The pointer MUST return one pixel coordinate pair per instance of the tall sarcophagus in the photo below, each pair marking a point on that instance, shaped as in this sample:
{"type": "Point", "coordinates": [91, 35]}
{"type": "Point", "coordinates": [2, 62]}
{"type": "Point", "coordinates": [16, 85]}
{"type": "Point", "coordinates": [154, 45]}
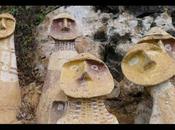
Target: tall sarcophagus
{"type": "Point", "coordinates": [10, 96]}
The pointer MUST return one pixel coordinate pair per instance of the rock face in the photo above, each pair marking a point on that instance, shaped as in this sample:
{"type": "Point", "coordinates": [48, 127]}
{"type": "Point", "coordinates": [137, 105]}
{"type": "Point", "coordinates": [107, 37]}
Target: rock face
{"type": "Point", "coordinates": [112, 30]}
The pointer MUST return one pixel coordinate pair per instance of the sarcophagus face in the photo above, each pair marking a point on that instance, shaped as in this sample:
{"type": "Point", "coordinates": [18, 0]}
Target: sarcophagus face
{"type": "Point", "coordinates": [147, 64]}
{"type": "Point", "coordinates": [7, 25]}
{"type": "Point", "coordinates": [86, 76]}
{"type": "Point", "coordinates": [64, 27]}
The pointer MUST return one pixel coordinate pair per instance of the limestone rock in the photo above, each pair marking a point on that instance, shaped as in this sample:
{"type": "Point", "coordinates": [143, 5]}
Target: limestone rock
{"type": "Point", "coordinates": [87, 45]}
{"type": "Point", "coordinates": [165, 21]}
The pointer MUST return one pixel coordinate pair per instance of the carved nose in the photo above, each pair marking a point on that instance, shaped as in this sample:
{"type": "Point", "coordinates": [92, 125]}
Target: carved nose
{"type": "Point", "coordinates": [149, 63]}
{"type": "Point", "coordinates": [86, 76]}
{"type": "Point", "coordinates": [2, 24]}
{"type": "Point", "coordinates": [65, 26]}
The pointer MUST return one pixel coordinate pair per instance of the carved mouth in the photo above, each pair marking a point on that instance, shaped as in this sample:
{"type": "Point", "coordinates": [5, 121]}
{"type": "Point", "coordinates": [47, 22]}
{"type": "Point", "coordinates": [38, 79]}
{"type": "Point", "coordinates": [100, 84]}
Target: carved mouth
{"type": "Point", "coordinates": [66, 30]}
{"type": "Point", "coordinates": [65, 45]}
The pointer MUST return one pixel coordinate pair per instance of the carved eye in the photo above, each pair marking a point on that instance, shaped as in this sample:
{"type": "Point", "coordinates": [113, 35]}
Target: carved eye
{"type": "Point", "coordinates": [75, 68]}
{"type": "Point", "coordinates": [5, 68]}
{"type": "Point", "coordinates": [94, 67]}
{"type": "Point", "coordinates": [168, 47]}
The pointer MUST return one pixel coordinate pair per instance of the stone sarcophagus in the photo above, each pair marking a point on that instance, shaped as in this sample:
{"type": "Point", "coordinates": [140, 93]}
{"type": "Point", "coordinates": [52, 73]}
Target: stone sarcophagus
{"type": "Point", "coordinates": [10, 96]}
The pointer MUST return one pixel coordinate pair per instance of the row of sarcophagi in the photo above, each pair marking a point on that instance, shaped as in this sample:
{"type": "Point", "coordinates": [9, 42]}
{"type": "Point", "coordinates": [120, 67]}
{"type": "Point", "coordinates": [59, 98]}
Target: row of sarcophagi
{"type": "Point", "coordinates": [77, 82]}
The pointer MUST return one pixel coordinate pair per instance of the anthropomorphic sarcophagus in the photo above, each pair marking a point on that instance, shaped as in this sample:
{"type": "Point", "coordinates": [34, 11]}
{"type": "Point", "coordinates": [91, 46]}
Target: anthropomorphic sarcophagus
{"type": "Point", "coordinates": [85, 80]}
{"type": "Point", "coordinates": [10, 96]}
{"type": "Point", "coordinates": [159, 37]}
{"type": "Point", "coordinates": [151, 66]}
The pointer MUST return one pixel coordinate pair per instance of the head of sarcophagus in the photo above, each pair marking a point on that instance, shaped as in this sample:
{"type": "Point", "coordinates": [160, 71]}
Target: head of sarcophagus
{"type": "Point", "coordinates": [157, 35]}
{"type": "Point", "coordinates": [64, 27]}
{"type": "Point", "coordinates": [86, 76]}
{"type": "Point", "coordinates": [7, 25]}
{"type": "Point", "coordinates": [147, 64]}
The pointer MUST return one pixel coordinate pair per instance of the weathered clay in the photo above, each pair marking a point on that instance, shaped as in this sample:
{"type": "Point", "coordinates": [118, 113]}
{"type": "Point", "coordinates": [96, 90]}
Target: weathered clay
{"type": "Point", "coordinates": [10, 96]}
